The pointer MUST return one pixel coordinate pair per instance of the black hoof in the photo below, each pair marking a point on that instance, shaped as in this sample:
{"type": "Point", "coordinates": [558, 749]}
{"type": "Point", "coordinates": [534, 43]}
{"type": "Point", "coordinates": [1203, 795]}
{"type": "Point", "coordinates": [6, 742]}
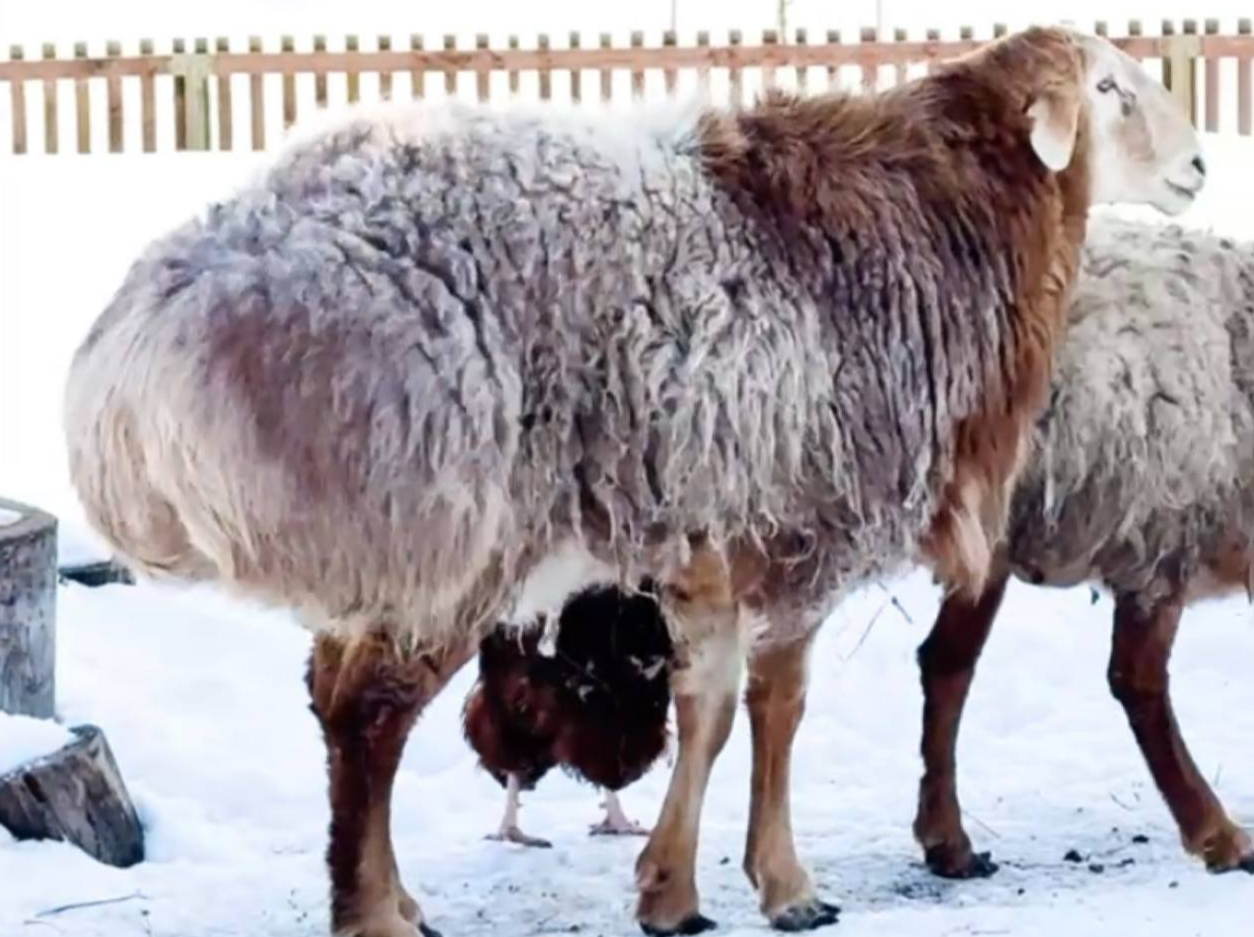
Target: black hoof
{"type": "Point", "coordinates": [428, 931]}
{"type": "Point", "coordinates": [810, 916]}
{"type": "Point", "coordinates": [1245, 865]}
{"type": "Point", "coordinates": [980, 865]}
{"type": "Point", "coordinates": [697, 924]}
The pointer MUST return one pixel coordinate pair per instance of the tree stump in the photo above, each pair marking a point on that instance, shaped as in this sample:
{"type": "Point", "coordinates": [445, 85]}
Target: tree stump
{"type": "Point", "coordinates": [28, 596]}
{"type": "Point", "coordinates": [76, 795]}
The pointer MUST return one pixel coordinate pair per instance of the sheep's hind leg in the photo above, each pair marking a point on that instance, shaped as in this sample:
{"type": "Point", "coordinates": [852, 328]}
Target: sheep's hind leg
{"type": "Point", "coordinates": [1138, 678]}
{"type": "Point", "coordinates": [367, 697]}
{"type": "Point", "coordinates": [947, 662]}
{"type": "Point", "coordinates": [775, 698]}
{"type": "Point", "coordinates": [709, 654]}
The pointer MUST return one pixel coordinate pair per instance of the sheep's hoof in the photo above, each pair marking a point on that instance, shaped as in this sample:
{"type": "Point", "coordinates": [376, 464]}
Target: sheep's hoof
{"type": "Point", "coordinates": [697, 924]}
{"type": "Point", "coordinates": [941, 861]}
{"type": "Point", "coordinates": [428, 931]}
{"type": "Point", "coordinates": [809, 916]}
{"type": "Point", "coordinates": [1244, 864]}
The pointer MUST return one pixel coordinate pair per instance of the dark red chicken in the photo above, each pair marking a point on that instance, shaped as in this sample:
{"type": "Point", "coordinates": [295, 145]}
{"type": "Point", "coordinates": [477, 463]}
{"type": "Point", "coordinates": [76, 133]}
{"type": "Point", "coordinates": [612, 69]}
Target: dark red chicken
{"type": "Point", "coordinates": [596, 705]}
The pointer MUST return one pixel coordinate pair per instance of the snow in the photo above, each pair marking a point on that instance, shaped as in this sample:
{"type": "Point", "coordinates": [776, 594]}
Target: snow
{"type": "Point", "coordinates": [202, 700]}
{"type": "Point", "coordinates": [24, 739]}
{"type": "Point", "coordinates": [8, 518]}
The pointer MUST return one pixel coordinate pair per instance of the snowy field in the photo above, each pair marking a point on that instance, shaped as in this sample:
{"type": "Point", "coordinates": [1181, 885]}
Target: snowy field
{"type": "Point", "coordinates": [203, 703]}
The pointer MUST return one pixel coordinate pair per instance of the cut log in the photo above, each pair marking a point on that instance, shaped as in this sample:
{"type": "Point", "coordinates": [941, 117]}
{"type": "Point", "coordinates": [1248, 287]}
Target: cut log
{"type": "Point", "coordinates": [75, 795]}
{"type": "Point", "coordinates": [28, 596]}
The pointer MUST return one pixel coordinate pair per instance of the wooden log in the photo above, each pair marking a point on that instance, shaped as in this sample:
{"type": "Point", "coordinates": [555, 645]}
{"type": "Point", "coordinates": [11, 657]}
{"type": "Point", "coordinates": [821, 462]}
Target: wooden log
{"type": "Point", "coordinates": [75, 795]}
{"type": "Point", "coordinates": [28, 596]}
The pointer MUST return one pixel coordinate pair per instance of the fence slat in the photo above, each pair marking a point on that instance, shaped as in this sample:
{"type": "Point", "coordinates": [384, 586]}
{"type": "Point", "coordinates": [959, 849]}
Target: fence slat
{"type": "Point", "coordinates": [385, 77]}
{"type": "Point", "coordinates": [637, 74]}
{"type": "Point", "coordinates": [82, 104]}
{"type": "Point", "coordinates": [833, 70]}
{"type": "Point", "coordinates": [148, 103]}
{"type": "Point", "coordinates": [735, 88]}
{"type": "Point", "coordinates": [801, 73]}
{"type": "Point", "coordinates": [513, 72]}
{"type": "Point", "coordinates": [545, 72]}
{"type": "Point", "coordinates": [257, 100]}
{"type": "Point", "coordinates": [50, 104]}
{"type": "Point", "coordinates": [198, 101]}
{"type": "Point", "coordinates": [352, 75]}
{"type": "Point", "coordinates": [576, 74]}
{"type": "Point", "coordinates": [180, 100]}
{"type": "Point", "coordinates": [900, 75]}
{"type": "Point", "coordinates": [226, 134]}
{"type": "Point", "coordinates": [1212, 82]}
{"type": "Point", "coordinates": [288, 44]}
{"type": "Point", "coordinates": [417, 76]}
{"type": "Point", "coordinates": [1135, 30]}
{"type": "Point", "coordinates": [17, 97]}
{"type": "Point", "coordinates": [113, 95]}
{"type": "Point", "coordinates": [770, 37]}
{"type": "Point", "coordinates": [605, 77]}
{"type": "Point", "coordinates": [1245, 106]}
{"type": "Point", "coordinates": [450, 72]}
{"type": "Point", "coordinates": [320, 76]}
{"type": "Point", "coordinates": [670, 76]}
{"type": "Point", "coordinates": [483, 87]}
{"type": "Point", "coordinates": [870, 72]}
{"type": "Point", "coordinates": [934, 37]}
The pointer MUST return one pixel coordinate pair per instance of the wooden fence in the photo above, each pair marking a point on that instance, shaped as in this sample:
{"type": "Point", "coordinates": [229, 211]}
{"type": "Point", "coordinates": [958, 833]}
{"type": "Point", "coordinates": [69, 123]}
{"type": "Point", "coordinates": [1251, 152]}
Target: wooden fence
{"type": "Point", "coordinates": [211, 96]}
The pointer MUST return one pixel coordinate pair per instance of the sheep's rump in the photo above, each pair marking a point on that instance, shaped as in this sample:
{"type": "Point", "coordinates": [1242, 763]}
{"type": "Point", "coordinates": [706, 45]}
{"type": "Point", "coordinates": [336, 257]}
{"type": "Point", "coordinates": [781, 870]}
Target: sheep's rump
{"type": "Point", "coordinates": [1145, 456]}
{"type": "Point", "coordinates": [381, 381]}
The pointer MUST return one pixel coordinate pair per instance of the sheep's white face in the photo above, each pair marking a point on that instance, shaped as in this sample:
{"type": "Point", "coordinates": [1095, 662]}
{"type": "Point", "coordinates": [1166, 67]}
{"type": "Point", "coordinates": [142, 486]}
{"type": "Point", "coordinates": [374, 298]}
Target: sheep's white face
{"type": "Point", "coordinates": [1144, 150]}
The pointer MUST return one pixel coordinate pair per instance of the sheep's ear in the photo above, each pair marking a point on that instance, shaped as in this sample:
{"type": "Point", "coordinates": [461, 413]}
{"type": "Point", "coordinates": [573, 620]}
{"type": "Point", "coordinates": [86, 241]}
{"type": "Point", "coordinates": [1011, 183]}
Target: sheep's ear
{"type": "Point", "coordinates": [1055, 119]}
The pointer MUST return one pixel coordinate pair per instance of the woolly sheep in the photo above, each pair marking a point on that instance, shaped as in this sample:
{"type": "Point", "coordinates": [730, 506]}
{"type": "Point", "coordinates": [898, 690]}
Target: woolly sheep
{"type": "Point", "coordinates": [443, 366]}
{"type": "Point", "coordinates": [1143, 481]}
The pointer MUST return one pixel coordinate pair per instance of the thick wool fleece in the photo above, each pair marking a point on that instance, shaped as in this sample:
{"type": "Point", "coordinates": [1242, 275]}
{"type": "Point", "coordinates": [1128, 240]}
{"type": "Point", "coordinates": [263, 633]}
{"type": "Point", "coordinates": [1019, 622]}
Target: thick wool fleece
{"type": "Point", "coordinates": [1144, 464]}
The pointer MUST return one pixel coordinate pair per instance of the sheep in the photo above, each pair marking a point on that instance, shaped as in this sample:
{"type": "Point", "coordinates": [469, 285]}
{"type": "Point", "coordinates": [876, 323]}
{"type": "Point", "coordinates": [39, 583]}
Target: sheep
{"type": "Point", "coordinates": [446, 365]}
{"type": "Point", "coordinates": [1142, 482]}
{"type": "Point", "coordinates": [592, 696]}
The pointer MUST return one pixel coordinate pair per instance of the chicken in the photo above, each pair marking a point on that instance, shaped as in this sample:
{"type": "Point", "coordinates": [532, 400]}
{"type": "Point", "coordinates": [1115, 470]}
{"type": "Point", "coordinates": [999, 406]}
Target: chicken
{"type": "Point", "coordinates": [596, 705]}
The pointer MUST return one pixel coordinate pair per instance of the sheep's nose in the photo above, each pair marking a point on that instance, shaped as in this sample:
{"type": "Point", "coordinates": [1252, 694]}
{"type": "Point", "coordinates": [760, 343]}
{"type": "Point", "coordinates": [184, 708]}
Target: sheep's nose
{"type": "Point", "coordinates": [1200, 165]}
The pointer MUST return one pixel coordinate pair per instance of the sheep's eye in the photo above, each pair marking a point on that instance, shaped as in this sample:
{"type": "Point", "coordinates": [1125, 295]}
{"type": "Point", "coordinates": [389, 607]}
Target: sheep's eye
{"type": "Point", "coordinates": [1106, 85]}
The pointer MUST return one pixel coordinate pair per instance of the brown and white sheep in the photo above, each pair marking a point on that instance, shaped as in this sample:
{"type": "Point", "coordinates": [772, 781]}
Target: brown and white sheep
{"type": "Point", "coordinates": [1142, 481]}
{"type": "Point", "coordinates": [442, 366]}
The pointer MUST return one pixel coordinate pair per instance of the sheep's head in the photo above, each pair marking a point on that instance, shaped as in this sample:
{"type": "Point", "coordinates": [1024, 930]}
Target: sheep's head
{"type": "Point", "coordinates": [1144, 147]}
{"type": "Point", "coordinates": [1141, 147]}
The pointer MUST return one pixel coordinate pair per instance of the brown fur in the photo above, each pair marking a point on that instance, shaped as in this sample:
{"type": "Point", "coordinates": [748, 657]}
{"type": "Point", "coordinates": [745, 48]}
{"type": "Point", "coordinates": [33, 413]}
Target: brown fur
{"type": "Point", "coordinates": [775, 158]}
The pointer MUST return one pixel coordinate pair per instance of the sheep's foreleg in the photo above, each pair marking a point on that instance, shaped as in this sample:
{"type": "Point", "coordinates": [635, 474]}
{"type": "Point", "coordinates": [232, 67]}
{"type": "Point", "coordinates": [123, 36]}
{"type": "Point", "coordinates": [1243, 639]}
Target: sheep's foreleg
{"type": "Point", "coordinates": [709, 655]}
{"type": "Point", "coordinates": [616, 822]}
{"type": "Point", "coordinates": [775, 697]}
{"type": "Point", "coordinates": [367, 696]}
{"type": "Point", "coordinates": [1138, 677]}
{"type": "Point", "coordinates": [510, 831]}
{"type": "Point", "coordinates": [947, 662]}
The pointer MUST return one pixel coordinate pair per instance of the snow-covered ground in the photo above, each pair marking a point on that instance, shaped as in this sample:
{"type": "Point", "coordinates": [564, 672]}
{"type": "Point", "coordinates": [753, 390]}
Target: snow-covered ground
{"type": "Point", "coordinates": [203, 703]}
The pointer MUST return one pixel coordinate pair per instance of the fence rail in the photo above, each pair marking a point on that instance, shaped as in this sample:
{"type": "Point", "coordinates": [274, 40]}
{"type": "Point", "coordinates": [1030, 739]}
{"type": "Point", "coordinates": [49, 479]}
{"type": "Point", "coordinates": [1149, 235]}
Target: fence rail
{"type": "Point", "coordinates": [214, 97]}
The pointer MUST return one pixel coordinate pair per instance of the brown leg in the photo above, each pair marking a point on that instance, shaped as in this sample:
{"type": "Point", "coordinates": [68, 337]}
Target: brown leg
{"type": "Point", "coordinates": [776, 701]}
{"type": "Point", "coordinates": [709, 656]}
{"type": "Point", "coordinates": [947, 662]}
{"type": "Point", "coordinates": [1138, 679]}
{"type": "Point", "coordinates": [366, 697]}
